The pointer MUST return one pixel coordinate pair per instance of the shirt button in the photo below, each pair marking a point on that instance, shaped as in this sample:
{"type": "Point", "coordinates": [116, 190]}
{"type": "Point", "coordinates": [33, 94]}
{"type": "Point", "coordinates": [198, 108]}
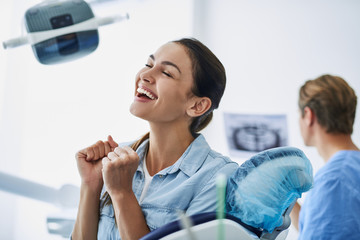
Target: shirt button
{"type": "Point", "coordinates": [160, 176]}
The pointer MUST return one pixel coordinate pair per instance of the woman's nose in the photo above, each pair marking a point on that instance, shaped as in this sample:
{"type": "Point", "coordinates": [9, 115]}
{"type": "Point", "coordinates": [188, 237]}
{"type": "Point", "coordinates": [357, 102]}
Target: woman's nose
{"type": "Point", "coordinates": [147, 76]}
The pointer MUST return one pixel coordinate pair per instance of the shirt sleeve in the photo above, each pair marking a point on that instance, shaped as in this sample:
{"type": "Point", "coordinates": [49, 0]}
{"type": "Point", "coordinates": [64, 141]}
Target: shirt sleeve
{"type": "Point", "coordinates": [329, 212]}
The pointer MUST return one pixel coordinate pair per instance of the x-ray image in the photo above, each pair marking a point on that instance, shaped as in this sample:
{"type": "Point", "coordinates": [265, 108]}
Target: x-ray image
{"type": "Point", "coordinates": [248, 134]}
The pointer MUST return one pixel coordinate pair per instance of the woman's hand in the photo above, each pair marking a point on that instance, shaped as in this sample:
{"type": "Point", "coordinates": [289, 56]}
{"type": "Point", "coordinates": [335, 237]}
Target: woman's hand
{"type": "Point", "coordinates": [89, 164]}
{"type": "Point", "coordinates": [118, 170]}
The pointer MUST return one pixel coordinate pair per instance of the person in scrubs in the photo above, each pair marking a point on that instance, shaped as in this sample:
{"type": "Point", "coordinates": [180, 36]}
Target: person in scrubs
{"type": "Point", "coordinates": [327, 113]}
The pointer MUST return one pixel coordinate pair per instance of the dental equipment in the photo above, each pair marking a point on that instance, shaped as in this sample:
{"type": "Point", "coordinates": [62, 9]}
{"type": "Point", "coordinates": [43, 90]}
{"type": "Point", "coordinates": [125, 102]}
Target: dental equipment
{"type": "Point", "coordinates": [186, 224]}
{"type": "Point", "coordinates": [221, 190]}
{"type": "Point", "coordinates": [62, 30]}
{"type": "Point", "coordinates": [266, 185]}
{"type": "Point", "coordinates": [66, 198]}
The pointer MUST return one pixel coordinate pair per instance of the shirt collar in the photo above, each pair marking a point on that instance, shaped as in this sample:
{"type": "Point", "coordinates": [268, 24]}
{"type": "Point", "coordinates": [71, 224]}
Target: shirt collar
{"type": "Point", "coordinates": [191, 160]}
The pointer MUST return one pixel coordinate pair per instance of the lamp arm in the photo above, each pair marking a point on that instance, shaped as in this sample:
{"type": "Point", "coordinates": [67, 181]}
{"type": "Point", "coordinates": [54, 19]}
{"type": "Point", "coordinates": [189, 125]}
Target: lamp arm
{"type": "Point", "coordinates": [67, 196]}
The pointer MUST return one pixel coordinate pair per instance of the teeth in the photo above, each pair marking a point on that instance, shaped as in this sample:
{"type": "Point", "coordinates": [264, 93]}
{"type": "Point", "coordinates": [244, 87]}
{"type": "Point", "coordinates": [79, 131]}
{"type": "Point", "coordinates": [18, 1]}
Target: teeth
{"type": "Point", "coordinates": [148, 94]}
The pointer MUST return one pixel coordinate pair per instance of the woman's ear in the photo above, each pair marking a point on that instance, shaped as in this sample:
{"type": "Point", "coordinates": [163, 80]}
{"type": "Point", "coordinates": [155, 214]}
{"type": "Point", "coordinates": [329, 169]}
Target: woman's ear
{"type": "Point", "coordinates": [199, 106]}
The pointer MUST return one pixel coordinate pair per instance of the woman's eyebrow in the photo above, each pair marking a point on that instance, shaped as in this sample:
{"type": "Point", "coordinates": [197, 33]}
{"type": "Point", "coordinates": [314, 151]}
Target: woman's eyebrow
{"type": "Point", "coordinates": [166, 63]}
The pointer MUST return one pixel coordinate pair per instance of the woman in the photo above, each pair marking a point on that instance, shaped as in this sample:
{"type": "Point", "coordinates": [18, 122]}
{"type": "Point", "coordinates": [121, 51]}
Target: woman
{"type": "Point", "coordinates": [136, 189]}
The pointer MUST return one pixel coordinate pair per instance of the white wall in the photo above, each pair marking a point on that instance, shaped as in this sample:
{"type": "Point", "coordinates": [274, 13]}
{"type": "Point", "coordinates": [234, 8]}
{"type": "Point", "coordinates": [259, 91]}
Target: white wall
{"type": "Point", "coordinates": [269, 48]}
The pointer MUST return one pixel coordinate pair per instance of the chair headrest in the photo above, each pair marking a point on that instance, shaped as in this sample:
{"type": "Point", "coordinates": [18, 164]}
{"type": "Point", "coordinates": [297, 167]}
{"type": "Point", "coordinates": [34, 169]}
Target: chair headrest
{"type": "Point", "coordinates": [264, 186]}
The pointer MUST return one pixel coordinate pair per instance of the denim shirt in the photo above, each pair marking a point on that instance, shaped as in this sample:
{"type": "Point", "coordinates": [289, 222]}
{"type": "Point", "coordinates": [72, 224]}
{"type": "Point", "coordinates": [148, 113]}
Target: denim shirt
{"type": "Point", "coordinates": [189, 185]}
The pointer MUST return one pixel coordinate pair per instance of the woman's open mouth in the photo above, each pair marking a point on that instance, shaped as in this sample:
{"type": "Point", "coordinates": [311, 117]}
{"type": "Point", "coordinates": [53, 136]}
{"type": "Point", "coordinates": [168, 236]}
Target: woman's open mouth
{"type": "Point", "coordinates": [142, 92]}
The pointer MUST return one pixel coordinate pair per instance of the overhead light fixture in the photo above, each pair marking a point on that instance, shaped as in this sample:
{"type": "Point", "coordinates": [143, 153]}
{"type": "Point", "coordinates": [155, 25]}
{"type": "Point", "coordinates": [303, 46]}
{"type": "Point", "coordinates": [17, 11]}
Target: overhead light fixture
{"type": "Point", "coordinates": [62, 30]}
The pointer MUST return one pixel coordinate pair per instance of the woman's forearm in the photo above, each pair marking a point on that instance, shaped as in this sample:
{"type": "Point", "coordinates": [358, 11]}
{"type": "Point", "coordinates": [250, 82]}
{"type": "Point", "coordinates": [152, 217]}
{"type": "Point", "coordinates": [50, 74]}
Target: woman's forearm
{"type": "Point", "coordinates": [129, 217]}
{"type": "Point", "coordinates": [87, 220]}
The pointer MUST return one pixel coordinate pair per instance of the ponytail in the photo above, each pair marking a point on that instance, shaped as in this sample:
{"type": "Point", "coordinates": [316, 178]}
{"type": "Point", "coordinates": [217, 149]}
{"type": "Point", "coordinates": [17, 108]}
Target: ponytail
{"type": "Point", "coordinates": [201, 122]}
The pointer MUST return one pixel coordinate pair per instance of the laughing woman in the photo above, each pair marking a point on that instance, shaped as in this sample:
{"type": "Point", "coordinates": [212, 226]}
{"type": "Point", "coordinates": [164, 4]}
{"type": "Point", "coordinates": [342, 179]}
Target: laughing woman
{"type": "Point", "coordinates": [128, 191]}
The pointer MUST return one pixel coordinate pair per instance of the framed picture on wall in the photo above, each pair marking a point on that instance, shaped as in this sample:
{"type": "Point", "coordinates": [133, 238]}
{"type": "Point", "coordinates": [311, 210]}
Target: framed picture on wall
{"type": "Point", "coordinates": [248, 134]}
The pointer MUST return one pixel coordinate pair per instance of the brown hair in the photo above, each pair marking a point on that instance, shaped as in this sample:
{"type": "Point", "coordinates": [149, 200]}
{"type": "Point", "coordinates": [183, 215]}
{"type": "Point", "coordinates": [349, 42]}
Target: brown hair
{"type": "Point", "coordinates": [209, 78]}
{"type": "Point", "coordinates": [333, 102]}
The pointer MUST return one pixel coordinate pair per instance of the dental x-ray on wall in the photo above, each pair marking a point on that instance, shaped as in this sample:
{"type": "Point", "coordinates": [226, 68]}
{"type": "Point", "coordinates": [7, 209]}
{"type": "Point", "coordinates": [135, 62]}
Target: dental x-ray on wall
{"type": "Point", "coordinates": [248, 134]}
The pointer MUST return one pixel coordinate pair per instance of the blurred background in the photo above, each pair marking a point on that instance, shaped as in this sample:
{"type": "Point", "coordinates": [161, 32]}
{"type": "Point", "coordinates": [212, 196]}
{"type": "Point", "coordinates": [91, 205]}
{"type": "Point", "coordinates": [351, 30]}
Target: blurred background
{"type": "Point", "coordinates": [49, 112]}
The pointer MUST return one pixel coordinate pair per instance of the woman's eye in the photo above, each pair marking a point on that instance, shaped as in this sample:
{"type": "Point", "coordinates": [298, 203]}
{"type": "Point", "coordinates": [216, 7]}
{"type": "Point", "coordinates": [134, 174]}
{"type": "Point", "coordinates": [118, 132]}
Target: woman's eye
{"type": "Point", "coordinates": [167, 74]}
{"type": "Point", "coordinates": [164, 72]}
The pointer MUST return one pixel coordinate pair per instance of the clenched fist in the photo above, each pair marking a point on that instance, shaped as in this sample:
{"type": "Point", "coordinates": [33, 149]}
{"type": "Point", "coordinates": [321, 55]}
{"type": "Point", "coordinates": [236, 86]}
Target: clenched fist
{"type": "Point", "coordinates": [118, 170]}
{"type": "Point", "coordinates": [89, 164]}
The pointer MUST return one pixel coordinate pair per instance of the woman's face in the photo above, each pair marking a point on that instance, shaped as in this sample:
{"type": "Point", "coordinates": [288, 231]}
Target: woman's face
{"type": "Point", "coordinates": [163, 86]}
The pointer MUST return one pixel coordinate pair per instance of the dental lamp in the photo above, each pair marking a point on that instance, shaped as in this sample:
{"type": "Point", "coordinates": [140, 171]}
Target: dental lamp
{"type": "Point", "coordinates": [61, 30]}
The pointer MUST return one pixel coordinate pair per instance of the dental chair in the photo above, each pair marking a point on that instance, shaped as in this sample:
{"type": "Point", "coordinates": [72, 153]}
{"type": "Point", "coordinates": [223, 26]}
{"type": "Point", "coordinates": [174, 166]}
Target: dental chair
{"type": "Point", "coordinates": [259, 198]}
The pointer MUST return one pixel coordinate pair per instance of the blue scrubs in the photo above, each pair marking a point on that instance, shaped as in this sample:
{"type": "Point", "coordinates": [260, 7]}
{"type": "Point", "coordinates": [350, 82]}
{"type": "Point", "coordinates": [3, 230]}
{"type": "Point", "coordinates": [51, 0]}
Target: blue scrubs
{"type": "Point", "coordinates": [331, 209]}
